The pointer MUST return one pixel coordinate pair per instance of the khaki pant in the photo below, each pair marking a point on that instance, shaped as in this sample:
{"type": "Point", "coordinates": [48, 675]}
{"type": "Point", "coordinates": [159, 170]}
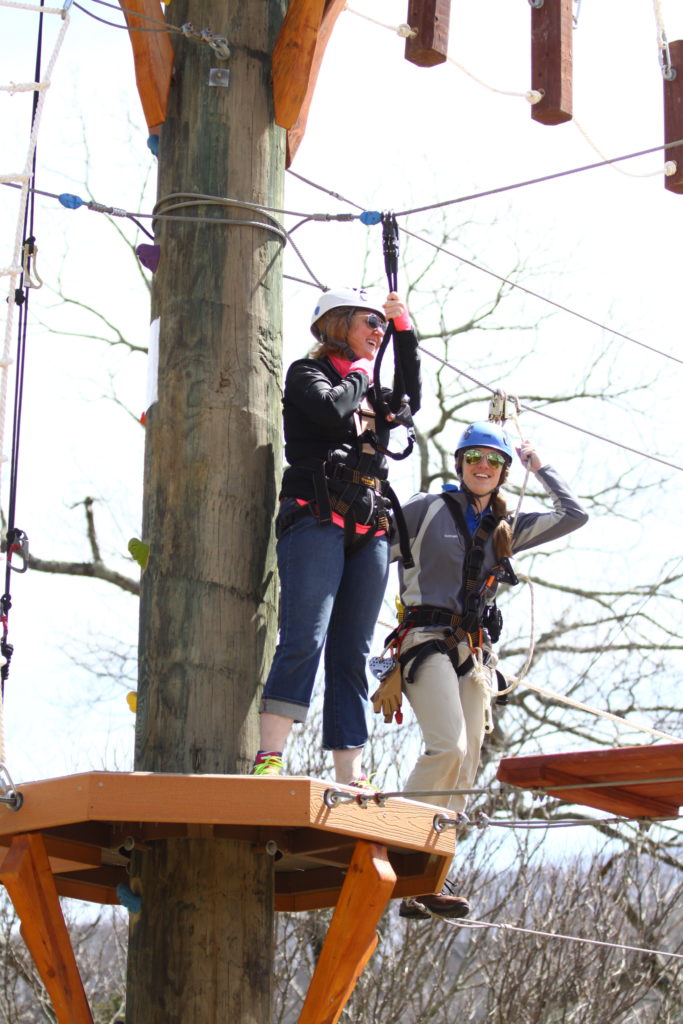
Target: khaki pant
{"type": "Point", "coordinates": [450, 713]}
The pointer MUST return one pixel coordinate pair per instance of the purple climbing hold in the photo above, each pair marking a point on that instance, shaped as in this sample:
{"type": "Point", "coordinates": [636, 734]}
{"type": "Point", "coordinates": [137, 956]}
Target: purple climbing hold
{"type": "Point", "coordinates": [149, 256]}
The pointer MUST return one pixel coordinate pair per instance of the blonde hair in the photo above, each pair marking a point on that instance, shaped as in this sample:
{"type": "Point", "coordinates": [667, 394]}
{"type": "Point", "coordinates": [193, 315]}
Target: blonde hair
{"type": "Point", "coordinates": [333, 325]}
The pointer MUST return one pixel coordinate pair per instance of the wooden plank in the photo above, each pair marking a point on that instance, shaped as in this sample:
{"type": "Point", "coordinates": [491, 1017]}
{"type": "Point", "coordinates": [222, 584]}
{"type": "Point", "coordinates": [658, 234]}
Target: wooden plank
{"type": "Point", "coordinates": [431, 19]}
{"type": "Point", "coordinates": [673, 117]}
{"type": "Point", "coordinates": [25, 872]}
{"type": "Point", "coordinates": [351, 937]}
{"type": "Point", "coordinates": [296, 62]}
{"type": "Point", "coordinates": [153, 57]}
{"type": "Point", "coordinates": [645, 767]}
{"type": "Point", "coordinates": [220, 800]}
{"type": "Point", "coordinates": [551, 61]}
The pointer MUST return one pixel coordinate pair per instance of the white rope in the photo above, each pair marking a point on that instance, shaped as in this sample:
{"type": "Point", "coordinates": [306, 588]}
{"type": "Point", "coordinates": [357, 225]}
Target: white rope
{"type": "Point", "coordinates": [19, 258]}
{"type": "Point", "coordinates": [668, 168]}
{"type": "Point", "coordinates": [402, 30]}
{"type": "Point", "coordinates": [504, 926]}
{"type": "Point", "coordinates": [24, 87]}
{"type": "Point", "coordinates": [636, 726]}
{"type": "Point", "coordinates": [530, 95]}
{"type": "Point", "coordinates": [17, 261]}
{"type": "Point", "coordinates": [32, 7]}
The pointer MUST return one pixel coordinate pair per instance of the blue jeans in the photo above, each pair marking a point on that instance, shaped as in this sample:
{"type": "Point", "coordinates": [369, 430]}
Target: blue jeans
{"type": "Point", "coordinates": [326, 600]}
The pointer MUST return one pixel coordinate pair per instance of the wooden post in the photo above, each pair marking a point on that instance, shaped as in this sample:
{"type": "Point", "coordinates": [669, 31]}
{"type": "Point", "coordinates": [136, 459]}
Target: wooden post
{"type": "Point", "coordinates": [25, 873]}
{"type": "Point", "coordinates": [430, 18]}
{"type": "Point", "coordinates": [208, 600]}
{"type": "Point", "coordinates": [551, 60]}
{"type": "Point", "coordinates": [673, 117]}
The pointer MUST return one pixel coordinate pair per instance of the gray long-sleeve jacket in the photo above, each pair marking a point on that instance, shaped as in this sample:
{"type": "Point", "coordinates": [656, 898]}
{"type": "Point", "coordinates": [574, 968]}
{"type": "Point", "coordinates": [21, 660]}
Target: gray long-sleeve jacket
{"type": "Point", "coordinates": [439, 549]}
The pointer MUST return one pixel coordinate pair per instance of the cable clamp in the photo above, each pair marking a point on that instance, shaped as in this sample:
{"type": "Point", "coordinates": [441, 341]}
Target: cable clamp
{"type": "Point", "coordinates": [442, 822]}
{"type": "Point", "coordinates": [668, 70]}
{"type": "Point", "coordinates": [9, 794]}
{"type": "Point", "coordinates": [219, 44]}
{"type": "Point", "coordinates": [334, 797]}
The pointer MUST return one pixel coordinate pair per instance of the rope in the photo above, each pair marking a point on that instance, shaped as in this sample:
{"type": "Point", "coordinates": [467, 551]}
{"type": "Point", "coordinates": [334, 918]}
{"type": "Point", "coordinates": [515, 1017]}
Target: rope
{"type": "Point", "coordinates": [579, 706]}
{"type": "Point", "coordinates": [555, 419]}
{"type": "Point", "coordinates": [538, 181]}
{"type": "Point", "coordinates": [531, 95]}
{"type": "Point", "coordinates": [179, 200]}
{"type": "Point", "coordinates": [24, 87]}
{"type": "Point", "coordinates": [505, 280]}
{"type": "Point", "coordinates": [543, 298]}
{"type": "Point", "coordinates": [505, 926]}
{"type": "Point", "coordinates": [32, 7]}
{"type": "Point", "coordinates": [24, 252]}
{"type": "Point", "coordinates": [536, 790]}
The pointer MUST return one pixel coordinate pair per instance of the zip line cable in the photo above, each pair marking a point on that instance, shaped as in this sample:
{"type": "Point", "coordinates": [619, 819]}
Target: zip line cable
{"type": "Point", "coordinates": [555, 419]}
{"type": "Point", "coordinates": [505, 926]}
{"type": "Point", "coordinates": [537, 181]}
{"type": "Point", "coordinates": [504, 280]}
{"type": "Point", "coordinates": [542, 298]}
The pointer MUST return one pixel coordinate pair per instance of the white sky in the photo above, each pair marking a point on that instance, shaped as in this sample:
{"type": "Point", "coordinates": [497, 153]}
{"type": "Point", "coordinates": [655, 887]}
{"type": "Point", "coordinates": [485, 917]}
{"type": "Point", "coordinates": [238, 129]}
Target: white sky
{"type": "Point", "coordinates": [386, 135]}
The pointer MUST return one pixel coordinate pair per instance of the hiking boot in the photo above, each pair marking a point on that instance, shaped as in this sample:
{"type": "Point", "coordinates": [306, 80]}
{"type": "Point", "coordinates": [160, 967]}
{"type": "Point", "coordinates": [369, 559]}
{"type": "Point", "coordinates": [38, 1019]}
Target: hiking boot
{"type": "Point", "coordinates": [441, 903]}
{"type": "Point", "coordinates": [271, 764]}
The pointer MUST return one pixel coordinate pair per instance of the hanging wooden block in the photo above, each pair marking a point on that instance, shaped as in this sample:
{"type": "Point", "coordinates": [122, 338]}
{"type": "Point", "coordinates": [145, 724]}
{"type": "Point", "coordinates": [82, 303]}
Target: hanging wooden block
{"type": "Point", "coordinates": [430, 19]}
{"type": "Point", "coordinates": [153, 56]}
{"type": "Point", "coordinates": [297, 56]}
{"type": "Point", "coordinates": [673, 117]}
{"type": "Point", "coordinates": [551, 60]}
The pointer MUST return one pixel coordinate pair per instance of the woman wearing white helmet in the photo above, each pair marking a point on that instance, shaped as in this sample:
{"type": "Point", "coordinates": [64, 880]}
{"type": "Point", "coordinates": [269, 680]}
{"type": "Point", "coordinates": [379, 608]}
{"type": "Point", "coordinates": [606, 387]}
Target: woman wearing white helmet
{"type": "Point", "coordinates": [461, 541]}
{"type": "Point", "coordinates": [334, 521]}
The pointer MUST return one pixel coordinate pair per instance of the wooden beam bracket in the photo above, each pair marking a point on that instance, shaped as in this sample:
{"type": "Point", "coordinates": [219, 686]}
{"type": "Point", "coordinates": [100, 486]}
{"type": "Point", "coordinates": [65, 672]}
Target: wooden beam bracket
{"type": "Point", "coordinates": [26, 874]}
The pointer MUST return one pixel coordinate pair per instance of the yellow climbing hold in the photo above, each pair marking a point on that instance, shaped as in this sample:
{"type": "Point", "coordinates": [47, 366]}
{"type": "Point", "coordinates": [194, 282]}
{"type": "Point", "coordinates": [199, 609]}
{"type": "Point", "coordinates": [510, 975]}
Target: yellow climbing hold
{"type": "Point", "coordinates": [132, 700]}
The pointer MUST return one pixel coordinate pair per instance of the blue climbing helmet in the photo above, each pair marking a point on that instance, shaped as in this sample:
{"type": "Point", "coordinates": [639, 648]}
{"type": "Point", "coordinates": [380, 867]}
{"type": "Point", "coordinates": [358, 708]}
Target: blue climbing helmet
{"type": "Point", "coordinates": [485, 434]}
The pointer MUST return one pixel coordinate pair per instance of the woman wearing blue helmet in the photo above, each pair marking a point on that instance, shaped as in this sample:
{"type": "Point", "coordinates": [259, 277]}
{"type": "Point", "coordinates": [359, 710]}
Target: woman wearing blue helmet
{"type": "Point", "coordinates": [461, 540]}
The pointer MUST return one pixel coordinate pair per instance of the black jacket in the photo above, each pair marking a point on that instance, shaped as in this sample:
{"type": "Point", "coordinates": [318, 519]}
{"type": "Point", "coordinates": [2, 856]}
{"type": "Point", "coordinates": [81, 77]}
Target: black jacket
{"type": "Point", "coordinates": [318, 408]}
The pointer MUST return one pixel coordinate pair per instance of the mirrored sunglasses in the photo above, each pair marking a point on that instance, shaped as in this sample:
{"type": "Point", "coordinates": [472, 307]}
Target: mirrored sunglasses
{"type": "Point", "coordinates": [494, 459]}
{"type": "Point", "coordinates": [374, 322]}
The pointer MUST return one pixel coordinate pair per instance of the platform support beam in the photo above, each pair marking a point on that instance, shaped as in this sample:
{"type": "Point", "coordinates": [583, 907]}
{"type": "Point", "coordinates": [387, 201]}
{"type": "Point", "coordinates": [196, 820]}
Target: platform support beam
{"type": "Point", "coordinates": [297, 57]}
{"type": "Point", "coordinates": [25, 872]}
{"type": "Point", "coordinates": [352, 936]}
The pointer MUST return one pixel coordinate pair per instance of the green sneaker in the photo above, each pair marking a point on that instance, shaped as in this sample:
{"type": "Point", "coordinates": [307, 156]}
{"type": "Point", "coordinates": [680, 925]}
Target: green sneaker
{"type": "Point", "coordinates": [363, 782]}
{"type": "Point", "coordinates": [271, 765]}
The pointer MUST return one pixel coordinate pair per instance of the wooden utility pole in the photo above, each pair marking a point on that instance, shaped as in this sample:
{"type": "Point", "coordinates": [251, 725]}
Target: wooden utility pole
{"type": "Point", "coordinates": [201, 948]}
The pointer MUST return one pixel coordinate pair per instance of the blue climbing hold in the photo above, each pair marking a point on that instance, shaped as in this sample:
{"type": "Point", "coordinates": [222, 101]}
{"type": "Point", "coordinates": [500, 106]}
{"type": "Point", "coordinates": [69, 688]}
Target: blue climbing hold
{"type": "Point", "coordinates": [71, 202]}
{"type": "Point", "coordinates": [129, 899]}
{"type": "Point", "coordinates": [153, 144]}
{"type": "Point", "coordinates": [370, 217]}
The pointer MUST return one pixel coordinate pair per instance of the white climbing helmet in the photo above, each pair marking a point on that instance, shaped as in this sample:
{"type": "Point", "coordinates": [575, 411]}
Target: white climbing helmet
{"type": "Point", "coordinates": [353, 298]}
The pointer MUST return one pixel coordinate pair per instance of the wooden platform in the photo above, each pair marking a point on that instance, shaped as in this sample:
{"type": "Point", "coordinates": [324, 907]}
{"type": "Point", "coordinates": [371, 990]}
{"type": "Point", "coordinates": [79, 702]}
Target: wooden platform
{"type": "Point", "coordinates": [91, 822]}
{"type": "Point", "coordinates": [642, 782]}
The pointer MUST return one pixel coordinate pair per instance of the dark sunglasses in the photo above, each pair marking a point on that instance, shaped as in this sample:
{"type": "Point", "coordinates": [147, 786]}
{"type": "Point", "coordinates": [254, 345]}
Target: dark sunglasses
{"type": "Point", "coordinates": [375, 323]}
{"type": "Point", "coordinates": [494, 459]}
